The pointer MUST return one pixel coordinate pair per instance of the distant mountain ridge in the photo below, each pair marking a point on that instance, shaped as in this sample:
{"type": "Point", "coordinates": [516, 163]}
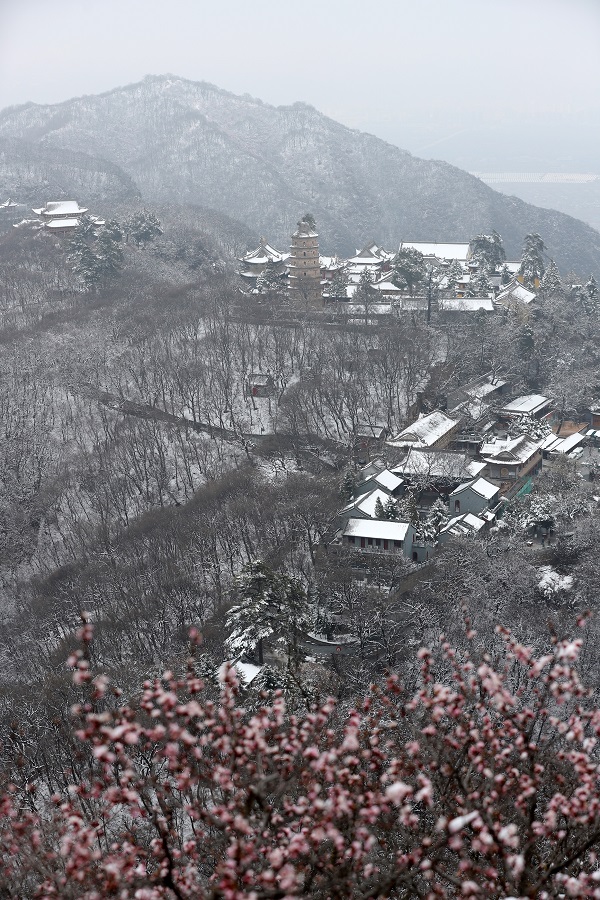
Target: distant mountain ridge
{"type": "Point", "coordinates": [179, 141]}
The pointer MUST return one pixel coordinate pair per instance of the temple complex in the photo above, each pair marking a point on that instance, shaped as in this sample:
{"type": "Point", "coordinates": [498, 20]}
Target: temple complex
{"type": "Point", "coordinates": [303, 263]}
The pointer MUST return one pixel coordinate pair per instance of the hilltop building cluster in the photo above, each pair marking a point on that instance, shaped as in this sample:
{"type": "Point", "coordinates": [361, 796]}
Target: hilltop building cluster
{"type": "Point", "coordinates": [57, 216]}
{"type": "Point", "coordinates": [451, 277]}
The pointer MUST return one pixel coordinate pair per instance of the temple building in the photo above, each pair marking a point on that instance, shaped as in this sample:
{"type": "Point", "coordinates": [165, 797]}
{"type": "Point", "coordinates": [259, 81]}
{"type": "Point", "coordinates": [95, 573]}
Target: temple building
{"type": "Point", "coordinates": [303, 263]}
{"type": "Point", "coordinates": [256, 262]}
{"type": "Point", "coordinates": [62, 216]}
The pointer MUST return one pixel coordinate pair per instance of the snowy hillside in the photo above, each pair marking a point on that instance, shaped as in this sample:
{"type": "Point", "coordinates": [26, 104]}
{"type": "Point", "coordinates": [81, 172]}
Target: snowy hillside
{"type": "Point", "coordinates": [187, 142]}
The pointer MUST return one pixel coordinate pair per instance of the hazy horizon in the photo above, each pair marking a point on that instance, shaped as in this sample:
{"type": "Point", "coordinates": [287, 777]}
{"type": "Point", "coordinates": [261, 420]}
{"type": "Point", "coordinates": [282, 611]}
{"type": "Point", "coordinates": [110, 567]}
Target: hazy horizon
{"type": "Point", "coordinates": [444, 78]}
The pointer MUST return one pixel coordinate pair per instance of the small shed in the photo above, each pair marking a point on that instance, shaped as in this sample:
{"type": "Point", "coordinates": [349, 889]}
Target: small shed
{"type": "Point", "coordinates": [368, 436]}
{"type": "Point", "coordinates": [259, 384]}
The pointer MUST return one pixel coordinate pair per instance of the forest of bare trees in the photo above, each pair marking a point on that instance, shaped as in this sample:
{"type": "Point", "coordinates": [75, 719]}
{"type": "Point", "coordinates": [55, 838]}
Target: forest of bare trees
{"type": "Point", "coordinates": [139, 476]}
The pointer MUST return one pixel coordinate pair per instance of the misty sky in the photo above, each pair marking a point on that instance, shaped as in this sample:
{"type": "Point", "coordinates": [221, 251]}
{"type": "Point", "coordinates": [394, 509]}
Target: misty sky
{"type": "Point", "coordinates": [448, 78]}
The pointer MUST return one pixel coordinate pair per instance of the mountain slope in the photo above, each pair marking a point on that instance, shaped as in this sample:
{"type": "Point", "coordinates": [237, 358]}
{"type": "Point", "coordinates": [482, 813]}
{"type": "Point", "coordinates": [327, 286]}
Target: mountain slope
{"type": "Point", "coordinates": [27, 169]}
{"type": "Point", "coordinates": [188, 142]}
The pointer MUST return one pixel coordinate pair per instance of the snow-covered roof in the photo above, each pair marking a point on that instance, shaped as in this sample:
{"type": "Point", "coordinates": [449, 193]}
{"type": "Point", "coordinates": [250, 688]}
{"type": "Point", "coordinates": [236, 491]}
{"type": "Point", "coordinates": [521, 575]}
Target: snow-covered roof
{"type": "Point", "coordinates": [411, 304]}
{"type": "Point", "coordinates": [330, 262]}
{"type": "Point", "coordinates": [370, 255]}
{"type": "Point", "coordinates": [263, 254]}
{"type": "Point", "coordinates": [388, 480]}
{"type": "Point", "coordinates": [485, 488]}
{"type": "Point", "coordinates": [516, 292]}
{"type": "Point", "coordinates": [472, 397]}
{"type": "Point", "coordinates": [425, 432]}
{"type": "Point", "coordinates": [554, 444]}
{"type": "Point", "coordinates": [551, 442]}
{"type": "Point", "coordinates": [259, 379]}
{"type": "Point", "coordinates": [447, 250]}
{"type": "Point", "coordinates": [367, 503]}
{"type": "Point", "coordinates": [465, 524]}
{"type": "Point", "coordinates": [438, 464]}
{"type": "Point", "coordinates": [367, 430]}
{"type": "Point", "coordinates": [466, 304]}
{"type": "Point", "coordinates": [512, 452]}
{"type": "Point", "coordinates": [528, 404]}
{"type": "Point", "coordinates": [8, 204]}
{"type": "Point", "coordinates": [371, 468]}
{"type": "Point", "coordinates": [377, 528]}
{"type": "Point", "coordinates": [385, 285]}
{"type": "Point", "coordinates": [61, 208]}
{"type": "Point", "coordinates": [483, 386]}
{"type": "Point", "coordinates": [481, 486]}
{"type": "Point", "coordinates": [57, 224]}
{"type": "Point", "coordinates": [247, 672]}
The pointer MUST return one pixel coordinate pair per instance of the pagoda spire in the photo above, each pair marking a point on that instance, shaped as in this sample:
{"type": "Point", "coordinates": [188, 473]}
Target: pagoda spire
{"type": "Point", "coordinates": [303, 263]}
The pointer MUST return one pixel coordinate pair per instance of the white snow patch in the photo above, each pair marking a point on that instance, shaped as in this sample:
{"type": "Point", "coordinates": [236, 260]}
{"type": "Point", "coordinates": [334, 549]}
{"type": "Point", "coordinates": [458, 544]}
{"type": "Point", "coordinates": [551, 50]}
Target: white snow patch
{"type": "Point", "coordinates": [552, 582]}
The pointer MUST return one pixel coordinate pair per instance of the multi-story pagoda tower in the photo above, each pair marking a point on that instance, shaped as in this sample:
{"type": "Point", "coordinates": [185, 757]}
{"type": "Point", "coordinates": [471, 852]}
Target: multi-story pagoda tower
{"type": "Point", "coordinates": [303, 262]}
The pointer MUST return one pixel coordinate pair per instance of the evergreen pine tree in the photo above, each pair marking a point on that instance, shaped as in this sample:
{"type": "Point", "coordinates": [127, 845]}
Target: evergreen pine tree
{"type": "Point", "coordinates": [426, 532]}
{"type": "Point", "coordinates": [409, 269]}
{"type": "Point", "coordinates": [479, 285]}
{"type": "Point", "coordinates": [551, 285]}
{"type": "Point", "coordinates": [109, 254]}
{"type": "Point", "coordinates": [453, 275]}
{"type": "Point", "coordinates": [593, 297]}
{"type": "Point", "coordinates": [364, 291]}
{"type": "Point", "coordinates": [408, 510]}
{"type": "Point", "coordinates": [579, 294]}
{"type": "Point", "coordinates": [391, 509]}
{"type": "Point", "coordinates": [268, 280]}
{"type": "Point", "coordinates": [532, 261]}
{"type": "Point", "coordinates": [143, 227]}
{"type": "Point", "coordinates": [347, 486]}
{"type": "Point", "coordinates": [488, 249]}
{"type": "Point", "coordinates": [526, 340]}
{"type": "Point", "coordinates": [113, 229]}
{"type": "Point", "coordinates": [309, 220]}
{"type": "Point", "coordinates": [86, 228]}
{"type": "Point", "coordinates": [337, 289]}
{"type": "Point", "coordinates": [379, 509]}
{"type": "Point", "coordinates": [86, 266]}
{"type": "Point", "coordinates": [268, 602]}
{"type": "Point", "coordinates": [438, 516]}
{"type": "Point", "coordinates": [96, 257]}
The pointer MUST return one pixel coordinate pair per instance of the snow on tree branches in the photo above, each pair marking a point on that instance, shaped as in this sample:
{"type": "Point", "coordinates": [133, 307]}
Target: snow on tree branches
{"type": "Point", "coordinates": [409, 268]}
{"type": "Point", "coordinates": [269, 603]}
{"type": "Point", "coordinates": [532, 262]}
{"type": "Point", "coordinates": [488, 249]}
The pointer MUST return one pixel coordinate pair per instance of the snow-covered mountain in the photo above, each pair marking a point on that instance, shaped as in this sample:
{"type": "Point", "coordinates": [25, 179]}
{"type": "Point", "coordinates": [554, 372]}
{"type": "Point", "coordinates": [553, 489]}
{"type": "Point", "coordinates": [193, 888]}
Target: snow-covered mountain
{"type": "Point", "coordinates": [178, 141]}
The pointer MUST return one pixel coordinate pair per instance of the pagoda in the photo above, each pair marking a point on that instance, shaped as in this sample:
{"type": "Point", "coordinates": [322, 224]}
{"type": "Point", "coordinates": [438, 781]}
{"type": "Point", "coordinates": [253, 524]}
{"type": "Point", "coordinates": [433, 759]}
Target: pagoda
{"type": "Point", "coordinates": [303, 262]}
